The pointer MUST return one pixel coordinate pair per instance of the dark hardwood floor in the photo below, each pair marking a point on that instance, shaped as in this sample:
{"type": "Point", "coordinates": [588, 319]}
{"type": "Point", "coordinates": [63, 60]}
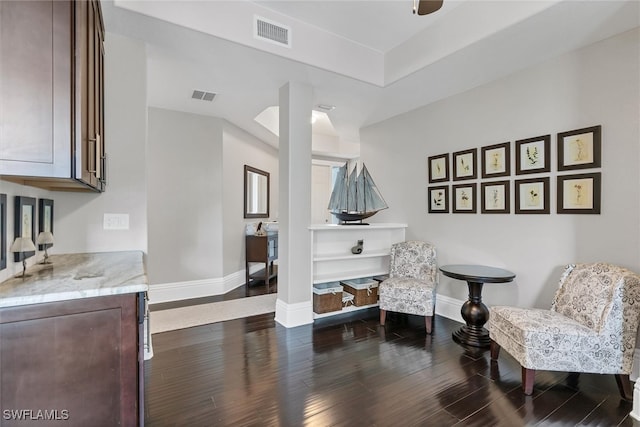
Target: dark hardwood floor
{"type": "Point", "coordinates": [349, 371]}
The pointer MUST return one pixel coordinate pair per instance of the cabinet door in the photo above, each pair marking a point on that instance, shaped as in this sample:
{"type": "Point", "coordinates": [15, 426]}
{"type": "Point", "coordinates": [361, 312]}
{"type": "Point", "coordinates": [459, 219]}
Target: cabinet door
{"type": "Point", "coordinates": [89, 72]}
{"type": "Point", "coordinates": [78, 356]}
{"type": "Point", "coordinates": [35, 88]}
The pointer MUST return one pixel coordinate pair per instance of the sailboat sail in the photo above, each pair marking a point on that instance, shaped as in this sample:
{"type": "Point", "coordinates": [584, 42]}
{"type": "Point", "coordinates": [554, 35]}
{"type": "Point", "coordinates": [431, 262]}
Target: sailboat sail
{"type": "Point", "coordinates": [355, 195]}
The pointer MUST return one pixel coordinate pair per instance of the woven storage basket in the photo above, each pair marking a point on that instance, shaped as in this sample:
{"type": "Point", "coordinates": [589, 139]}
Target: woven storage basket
{"type": "Point", "coordinates": [364, 290]}
{"type": "Point", "coordinates": [327, 297]}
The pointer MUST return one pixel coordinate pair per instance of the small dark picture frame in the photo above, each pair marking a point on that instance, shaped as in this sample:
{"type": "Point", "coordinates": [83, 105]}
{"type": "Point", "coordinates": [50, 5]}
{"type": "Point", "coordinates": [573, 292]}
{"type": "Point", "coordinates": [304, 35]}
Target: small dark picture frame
{"type": "Point", "coordinates": [464, 198]}
{"type": "Point", "coordinates": [533, 155]}
{"type": "Point", "coordinates": [465, 164]}
{"type": "Point", "coordinates": [495, 197]}
{"type": "Point", "coordinates": [24, 223]}
{"type": "Point", "coordinates": [439, 168]}
{"type": "Point", "coordinates": [45, 217]}
{"type": "Point", "coordinates": [3, 231]}
{"type": "Point", "coordinates": [579, 194]}
{"type": "Point", "coordinates": [532, 196]}
{"type": "Point", "coordinates": [496, 160]}
{"type": "Point", "coordinates": [580, 149]}
{"type": "Point", "coordinates": [438, 199]}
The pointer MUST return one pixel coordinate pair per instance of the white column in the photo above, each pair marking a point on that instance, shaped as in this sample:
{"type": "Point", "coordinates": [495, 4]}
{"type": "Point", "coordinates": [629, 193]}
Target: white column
{"type": "Point", "coordinates": [294, 305]}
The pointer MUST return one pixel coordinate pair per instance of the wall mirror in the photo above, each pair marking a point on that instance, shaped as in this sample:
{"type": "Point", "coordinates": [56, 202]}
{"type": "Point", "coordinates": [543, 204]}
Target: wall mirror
{"type": "Point", "coordinates": [256, 193]}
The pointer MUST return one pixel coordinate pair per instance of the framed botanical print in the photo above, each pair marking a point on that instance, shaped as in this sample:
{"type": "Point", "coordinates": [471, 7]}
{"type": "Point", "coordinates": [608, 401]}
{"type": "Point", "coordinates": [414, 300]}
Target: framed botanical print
{"type": "Point", "coordinates": [439, 199]}
{"type": "Point", "coordinates": [464, 165]}
{"type": "Point", "coordinates": [464, 198]}
{"type": "Point", "coordinates": [579, 194]}
{"type": "Point", "coordinates": [45, 217]}
{"type": "Point", "coordinates": [24, 223]}
{"type": "Point", "coordinates": [496, 160]}
{"type": "Point", "coordinates": [533, 155]}
{"type": "Point", "coordinates": [532, 196]}
{"type": "Point", "coordinates": [439, 168]}
{"type": "Point", "coordinates": [3, 231]}
{"type": "Point", "coordinates": [579, 149]}
{"type": "Point", "coordinates": [495, 197]}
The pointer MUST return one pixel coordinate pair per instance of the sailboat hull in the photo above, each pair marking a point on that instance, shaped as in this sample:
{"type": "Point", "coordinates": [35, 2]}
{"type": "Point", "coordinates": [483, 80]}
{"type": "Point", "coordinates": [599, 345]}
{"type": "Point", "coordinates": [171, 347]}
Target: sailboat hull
{"type": "Point", "coordinates": [347, 217]}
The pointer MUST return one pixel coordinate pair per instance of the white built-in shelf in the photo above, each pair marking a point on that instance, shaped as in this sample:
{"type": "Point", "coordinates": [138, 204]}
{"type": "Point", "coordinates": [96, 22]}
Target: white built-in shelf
{"type": "Point", "coordinates": [347, 275]}
{"type": "Point", "coordinates": [332, 260]}
{"type": "Point", "coordinates": [350, 256]}
{"type": "Point", "coordinates": [347, 309]}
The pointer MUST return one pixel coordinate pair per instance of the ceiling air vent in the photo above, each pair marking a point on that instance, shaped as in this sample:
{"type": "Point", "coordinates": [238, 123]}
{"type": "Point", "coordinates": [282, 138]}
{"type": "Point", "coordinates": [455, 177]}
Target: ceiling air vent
{"type": "Point", "coordinates": [203, 96]}
{"type": "Point", "coordinates": [271, 32]}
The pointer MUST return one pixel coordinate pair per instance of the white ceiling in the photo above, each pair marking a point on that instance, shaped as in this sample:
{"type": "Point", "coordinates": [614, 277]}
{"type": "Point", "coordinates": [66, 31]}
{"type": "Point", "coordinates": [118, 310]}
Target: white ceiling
{"type": "Point", "coordinates": [370, 59]}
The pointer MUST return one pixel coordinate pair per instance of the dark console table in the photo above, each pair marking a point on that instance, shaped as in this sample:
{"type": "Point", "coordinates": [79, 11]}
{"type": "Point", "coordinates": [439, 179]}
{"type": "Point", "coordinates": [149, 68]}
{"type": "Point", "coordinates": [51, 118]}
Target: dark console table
{"type": "Point", "coordinates": [262, 249]}
{"type": "Point", "coordinates": [473, 311]}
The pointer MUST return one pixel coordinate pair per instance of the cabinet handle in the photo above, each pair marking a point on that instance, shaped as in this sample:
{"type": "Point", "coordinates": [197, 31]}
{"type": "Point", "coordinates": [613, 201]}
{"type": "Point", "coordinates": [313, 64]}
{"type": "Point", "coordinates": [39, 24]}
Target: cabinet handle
{"type": "Point", "coordinates": [89, 157]}
{"type": "Point", "coordinates": [98, 164]}
{"type": "Point", "coordinates": [103, 175]}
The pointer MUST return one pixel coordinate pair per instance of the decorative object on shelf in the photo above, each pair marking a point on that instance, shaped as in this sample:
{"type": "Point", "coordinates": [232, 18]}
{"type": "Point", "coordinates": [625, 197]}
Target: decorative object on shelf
{"type": "Point", "coordinates": [464, 165]}
{"type": "Point", "coordinates": [260, 231]}
{"type": "Point", "coordinates": [495, 197]}
{"type": "Point", "coordinates": [45, 221]}
{"type": "Point", "coordinates": [355, 196]}
{"type": "Point", "coordinates": [45, 241]}
{"type": "Point", "coordinates": [24, 223]}
{"type": "Point", "coordinates": [3, 231]}
{"type": "Point", "coordinates": [439, 199]}
{"type": "Point", "coordinates": [579, 194]}
{"type": "Point", "coordinates": [464, 198]}
{"type": "Point", "coordinates": [439, 168]}
{"type": "Point", "coordinates": [357, 249]}
{"type": "Point", "coordinates": [579, 149]}
{"type": "Point", "coordinates": [533, 155]}
{"type": "Point", "coordinates": [496, 160]}
{"type": "Point", "coordinates": [532, 196]}
{"type": "Point", "coordinates": [21, 247]}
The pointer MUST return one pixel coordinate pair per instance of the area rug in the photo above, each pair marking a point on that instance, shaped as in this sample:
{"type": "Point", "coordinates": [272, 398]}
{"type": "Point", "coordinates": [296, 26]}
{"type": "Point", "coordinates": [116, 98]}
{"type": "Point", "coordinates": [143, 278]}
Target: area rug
{"type": "Point", "coordinates": [202, 314]}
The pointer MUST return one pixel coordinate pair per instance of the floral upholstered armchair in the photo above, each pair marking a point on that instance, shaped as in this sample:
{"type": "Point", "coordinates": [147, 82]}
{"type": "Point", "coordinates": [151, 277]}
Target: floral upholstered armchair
{"type": "Point", "coordinates": [411, 286]}
{"type": "Point", "coordinates": [591, 326]}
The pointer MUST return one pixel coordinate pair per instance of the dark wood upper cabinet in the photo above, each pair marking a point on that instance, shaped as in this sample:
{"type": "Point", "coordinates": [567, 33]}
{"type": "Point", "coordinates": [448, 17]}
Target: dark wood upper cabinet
{"type": "Point", "coordinates": [52, 94]}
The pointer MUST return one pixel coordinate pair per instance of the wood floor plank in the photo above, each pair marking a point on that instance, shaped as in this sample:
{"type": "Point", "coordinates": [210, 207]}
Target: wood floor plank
{"type": "Point", "coordinates": [350, 371]}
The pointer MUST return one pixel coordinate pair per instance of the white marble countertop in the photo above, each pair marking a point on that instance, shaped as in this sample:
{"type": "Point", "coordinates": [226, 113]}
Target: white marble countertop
{"type": "Point", "coordinates": [74, 276]}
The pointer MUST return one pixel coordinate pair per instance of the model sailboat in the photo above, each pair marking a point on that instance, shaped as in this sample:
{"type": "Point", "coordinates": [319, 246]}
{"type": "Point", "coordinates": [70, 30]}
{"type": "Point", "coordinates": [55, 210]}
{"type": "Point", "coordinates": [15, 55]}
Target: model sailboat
{"type": "Point", "coordinates": [355, 196]}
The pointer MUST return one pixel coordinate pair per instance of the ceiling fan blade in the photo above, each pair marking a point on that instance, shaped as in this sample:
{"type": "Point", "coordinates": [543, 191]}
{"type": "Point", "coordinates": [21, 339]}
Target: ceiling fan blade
{"type": "Point", "coordinates": [426, 7]}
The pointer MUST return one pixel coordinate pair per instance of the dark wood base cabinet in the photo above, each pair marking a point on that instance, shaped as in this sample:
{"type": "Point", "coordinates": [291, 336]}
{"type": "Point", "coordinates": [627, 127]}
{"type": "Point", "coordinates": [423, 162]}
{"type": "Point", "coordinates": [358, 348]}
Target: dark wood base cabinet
{"type": "Point", "coordinates": [72, 363]}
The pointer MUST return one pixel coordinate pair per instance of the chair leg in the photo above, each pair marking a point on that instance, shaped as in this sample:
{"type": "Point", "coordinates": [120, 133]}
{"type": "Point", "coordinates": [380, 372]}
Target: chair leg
{"type": "Point", "coordinates": [428, 322]}
{"type": "Point", "coordinates": [624, 385]}
{"type": "Point", "coordinates": [383, 316]}
{"type": "Point", "coordinates": [528, 377]}
{"type": "Point", "coordinates": [495, 350]}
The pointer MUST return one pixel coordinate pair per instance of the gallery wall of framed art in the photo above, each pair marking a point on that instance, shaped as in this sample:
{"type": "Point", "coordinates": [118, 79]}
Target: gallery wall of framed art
{"type": "Point", "coordinates": [534, 183]}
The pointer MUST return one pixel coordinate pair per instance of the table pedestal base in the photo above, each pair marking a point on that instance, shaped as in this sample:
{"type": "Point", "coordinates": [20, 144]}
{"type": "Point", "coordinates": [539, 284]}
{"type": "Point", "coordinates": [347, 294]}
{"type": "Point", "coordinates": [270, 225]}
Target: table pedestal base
{"type": "Point", "coordinates": [473, 336]}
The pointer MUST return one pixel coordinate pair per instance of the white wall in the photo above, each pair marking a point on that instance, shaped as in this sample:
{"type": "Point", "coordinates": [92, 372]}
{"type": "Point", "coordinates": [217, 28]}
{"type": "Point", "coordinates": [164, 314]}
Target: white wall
{"type": "Point", "coordinates": [241, 148]}
{"type": "Point", "coordinates": [184, 197]}
{"type": "Point", "coordinates": [195, 202]}
{"type": "Point", "coordinates": [596, 85]}
{"type": "Point", "coordinates": [78, 217]}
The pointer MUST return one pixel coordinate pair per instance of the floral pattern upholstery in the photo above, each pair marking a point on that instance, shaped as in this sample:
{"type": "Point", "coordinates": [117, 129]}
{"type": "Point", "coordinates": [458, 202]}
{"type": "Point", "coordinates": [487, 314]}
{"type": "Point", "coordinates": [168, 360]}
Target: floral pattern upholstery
{"type": "Point", "coordinates": [591, 326]}
{"type": "Point", "coordinates": [413, 273]}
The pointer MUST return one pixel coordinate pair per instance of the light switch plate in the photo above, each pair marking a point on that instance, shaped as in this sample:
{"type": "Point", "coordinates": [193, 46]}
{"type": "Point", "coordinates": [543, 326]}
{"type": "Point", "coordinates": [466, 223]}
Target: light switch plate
{"type": "Point", "coordinates": [115, 221]}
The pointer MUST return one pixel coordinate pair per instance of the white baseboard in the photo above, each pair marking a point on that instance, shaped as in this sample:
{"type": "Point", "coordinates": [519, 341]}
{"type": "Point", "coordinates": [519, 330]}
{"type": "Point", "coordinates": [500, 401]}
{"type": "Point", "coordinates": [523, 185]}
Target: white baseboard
{"type": "Point", "coordinates": [449, 307]}
{"type": "Point", "coordinates": [166, 292]}
{"type": "Point", "coordinates": [292, 315]}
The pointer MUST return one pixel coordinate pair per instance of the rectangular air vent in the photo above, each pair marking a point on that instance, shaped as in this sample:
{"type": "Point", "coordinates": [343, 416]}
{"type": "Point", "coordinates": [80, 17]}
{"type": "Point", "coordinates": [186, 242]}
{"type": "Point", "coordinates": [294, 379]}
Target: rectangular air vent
{"type": "Point", "coordinates": [203, 96]}
{"type": "Point", "coordinates": [271, 32]}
